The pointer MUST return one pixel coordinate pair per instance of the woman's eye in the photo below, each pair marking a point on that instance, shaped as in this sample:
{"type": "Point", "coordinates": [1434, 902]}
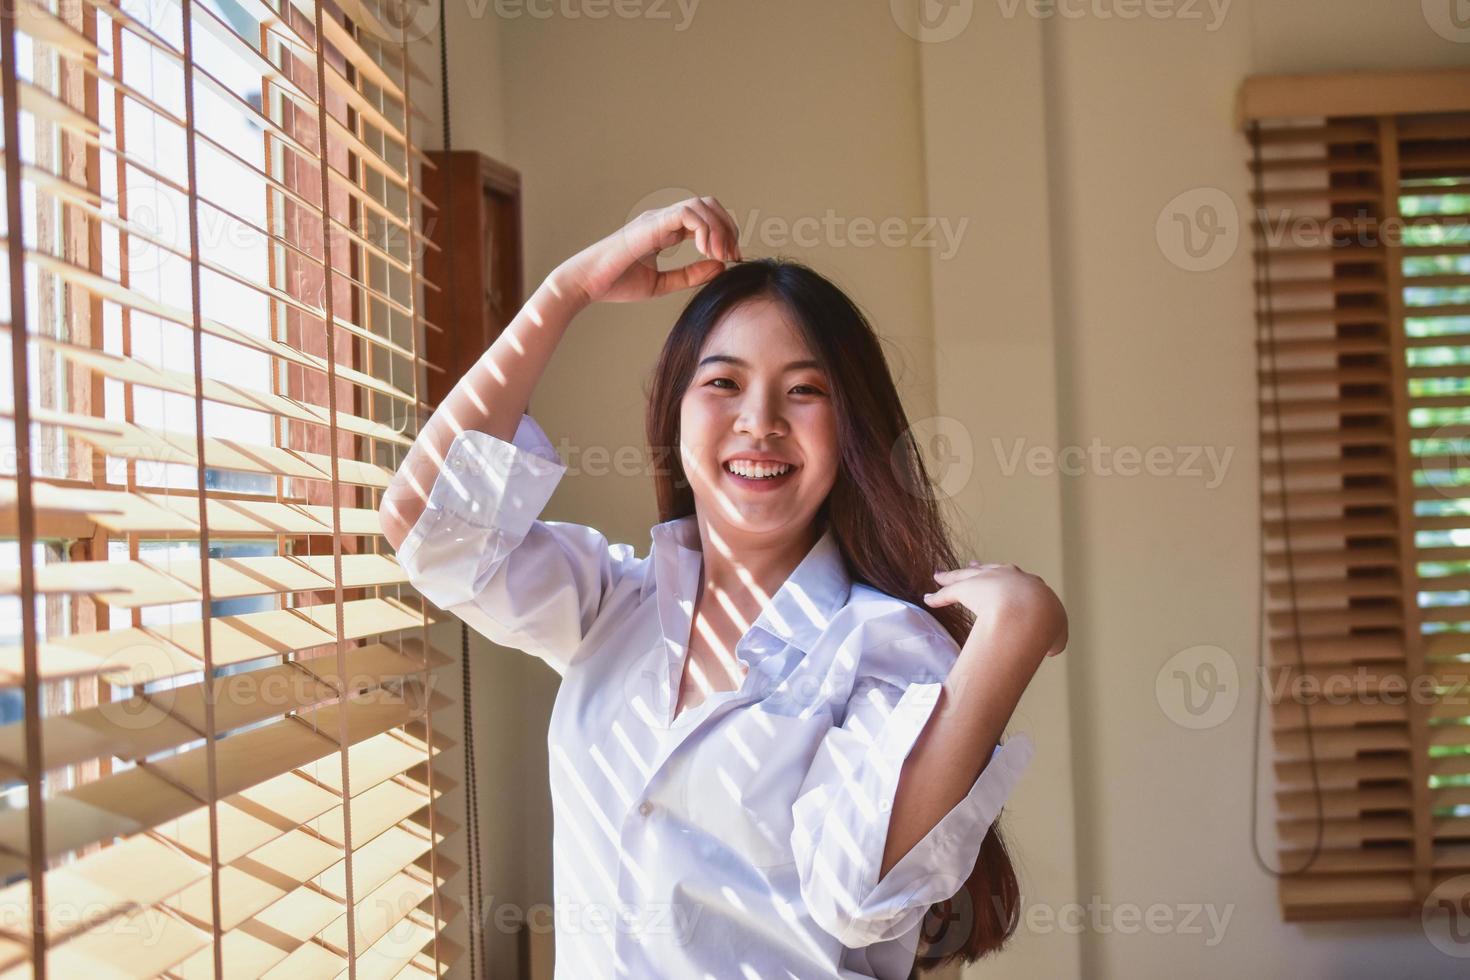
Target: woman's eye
{"type": "Point", "coordinates": [810, 389]}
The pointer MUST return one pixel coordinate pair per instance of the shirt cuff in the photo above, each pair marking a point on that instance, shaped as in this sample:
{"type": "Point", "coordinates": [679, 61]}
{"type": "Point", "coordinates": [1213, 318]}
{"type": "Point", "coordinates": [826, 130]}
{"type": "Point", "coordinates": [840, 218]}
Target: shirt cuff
{"type": "Point", "coordinates": [843, 814]}
{"type": "Point", "coordinates": [936, 867]}
{"type": "Point", "coordinates": [487, 495]}
{"type": "Point", "coordinates": [489, 482]}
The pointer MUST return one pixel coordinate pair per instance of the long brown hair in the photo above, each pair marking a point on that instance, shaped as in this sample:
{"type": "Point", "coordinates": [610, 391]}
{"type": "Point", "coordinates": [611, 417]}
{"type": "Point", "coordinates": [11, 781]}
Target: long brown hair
{"type": "Point", "coordinates": [881, 509]}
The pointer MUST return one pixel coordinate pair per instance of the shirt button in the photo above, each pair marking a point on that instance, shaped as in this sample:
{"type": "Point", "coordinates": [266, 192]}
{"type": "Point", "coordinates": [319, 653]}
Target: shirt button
{"type": "Point", "coordinates": [645, 808]}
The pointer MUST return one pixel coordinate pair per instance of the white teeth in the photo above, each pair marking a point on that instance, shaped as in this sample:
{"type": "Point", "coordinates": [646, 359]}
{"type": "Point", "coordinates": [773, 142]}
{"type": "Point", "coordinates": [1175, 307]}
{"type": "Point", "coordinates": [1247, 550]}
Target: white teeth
{"type": "Point", "coordinates": [757, 471]}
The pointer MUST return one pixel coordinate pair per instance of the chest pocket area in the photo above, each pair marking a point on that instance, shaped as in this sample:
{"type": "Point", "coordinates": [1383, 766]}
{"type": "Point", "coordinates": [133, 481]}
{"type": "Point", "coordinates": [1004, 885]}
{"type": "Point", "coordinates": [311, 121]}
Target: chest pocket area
{"type": "Point", "coordinates": [743, 778]}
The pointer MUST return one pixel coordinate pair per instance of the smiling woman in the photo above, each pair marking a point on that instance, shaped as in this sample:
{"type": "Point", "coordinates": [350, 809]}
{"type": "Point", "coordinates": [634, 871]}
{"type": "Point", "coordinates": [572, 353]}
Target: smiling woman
{"type": "Point", "coordinates": [758, 418]}
{"type": "Point", "coordinates": [761, 735]}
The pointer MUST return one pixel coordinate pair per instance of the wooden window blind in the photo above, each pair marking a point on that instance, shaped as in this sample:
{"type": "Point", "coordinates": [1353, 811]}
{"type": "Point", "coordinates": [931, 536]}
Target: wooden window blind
{"type": "Point", "coordinates": [1361, 225]}
{"type": "Point", "coordinates": [216, 700]}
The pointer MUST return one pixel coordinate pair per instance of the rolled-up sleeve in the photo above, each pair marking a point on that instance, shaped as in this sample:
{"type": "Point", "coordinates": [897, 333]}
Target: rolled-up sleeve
{"type": "Point", "coordinates": [842, 813]}
{"type": "Point", "coordinates": [481, 551]}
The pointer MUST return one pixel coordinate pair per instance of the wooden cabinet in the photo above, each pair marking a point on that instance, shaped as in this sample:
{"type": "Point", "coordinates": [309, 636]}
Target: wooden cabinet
{"type": "Point", "coordinates": [477, 266]}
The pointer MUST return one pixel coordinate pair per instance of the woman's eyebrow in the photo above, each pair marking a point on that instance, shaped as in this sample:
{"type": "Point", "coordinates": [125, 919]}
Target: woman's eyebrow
{"type": "Point", "coordinates": [732, 359]}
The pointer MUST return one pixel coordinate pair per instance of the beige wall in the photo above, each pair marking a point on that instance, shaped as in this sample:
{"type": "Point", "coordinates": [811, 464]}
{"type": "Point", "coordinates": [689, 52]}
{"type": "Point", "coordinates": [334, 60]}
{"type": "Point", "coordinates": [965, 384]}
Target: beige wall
{"type": "Point", "coordinates": [1059, 320]}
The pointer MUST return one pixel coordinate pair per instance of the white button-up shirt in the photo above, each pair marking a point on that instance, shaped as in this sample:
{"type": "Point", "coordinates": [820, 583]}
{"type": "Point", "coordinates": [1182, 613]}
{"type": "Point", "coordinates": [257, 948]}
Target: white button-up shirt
{"type": "Point", "coordinates": [743, 838]}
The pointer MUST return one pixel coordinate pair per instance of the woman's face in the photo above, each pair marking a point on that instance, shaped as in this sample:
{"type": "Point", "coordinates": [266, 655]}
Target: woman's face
{"type": "Point", "coordinates": [757, 392]}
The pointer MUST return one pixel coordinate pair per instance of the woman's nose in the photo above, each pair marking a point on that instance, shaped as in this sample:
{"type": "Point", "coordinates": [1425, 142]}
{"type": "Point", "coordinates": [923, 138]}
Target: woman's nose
{"type": "Point", "coordinates": [760, 417]}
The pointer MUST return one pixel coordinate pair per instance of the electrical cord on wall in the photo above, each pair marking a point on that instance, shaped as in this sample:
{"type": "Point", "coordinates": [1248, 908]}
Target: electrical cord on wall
{"type": "Point", "coordinates": [1261, 623]}
{"type": "Point", "coordinates": [474, 872]}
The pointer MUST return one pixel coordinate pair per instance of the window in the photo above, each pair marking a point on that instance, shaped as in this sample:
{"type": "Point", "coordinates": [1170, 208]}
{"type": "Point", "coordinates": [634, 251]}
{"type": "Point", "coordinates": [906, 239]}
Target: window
{"type": "Point", "coordinates": [216, 699]}
{"type": "Point", "coordinates": [1362, 233]}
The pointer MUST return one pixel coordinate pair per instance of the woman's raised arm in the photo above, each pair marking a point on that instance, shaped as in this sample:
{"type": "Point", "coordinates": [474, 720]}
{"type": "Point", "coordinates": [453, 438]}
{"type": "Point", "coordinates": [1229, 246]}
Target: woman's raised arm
{"type": "Point", "coordinates": [495, 392]}
{"type": "Point", "coordinates": [490, 397]}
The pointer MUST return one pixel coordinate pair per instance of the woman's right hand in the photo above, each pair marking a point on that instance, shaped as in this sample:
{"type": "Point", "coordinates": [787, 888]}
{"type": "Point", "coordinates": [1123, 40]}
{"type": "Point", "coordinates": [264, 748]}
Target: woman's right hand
{"type": "Point", "coordinates": [623, 267]}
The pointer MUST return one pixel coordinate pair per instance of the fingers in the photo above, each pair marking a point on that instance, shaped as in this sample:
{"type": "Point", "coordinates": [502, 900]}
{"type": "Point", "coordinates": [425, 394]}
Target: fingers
{"type": "Point", "coordinates": [707, 222]}
{"type": "Point", "coordinates": [721, 236]}
{"type": "Point", "coordinates": [977, 566]}
{"type": "Point", "coordinates": [943, 597]}
{"type": "Point", "coordinates": [683, 221]}
{"type": "Point", "coordinates": [946, 576]}
{"type": "Point", "coordinates": [693, 274]}
{"type": "Point", "coordinates": [950, 590]}
{"type": "Point", "coordinates": [727, 220]}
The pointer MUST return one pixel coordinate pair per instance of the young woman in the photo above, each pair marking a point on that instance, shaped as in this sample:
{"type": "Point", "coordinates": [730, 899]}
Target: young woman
{"type": "Point", "coordinates": [776, 744]}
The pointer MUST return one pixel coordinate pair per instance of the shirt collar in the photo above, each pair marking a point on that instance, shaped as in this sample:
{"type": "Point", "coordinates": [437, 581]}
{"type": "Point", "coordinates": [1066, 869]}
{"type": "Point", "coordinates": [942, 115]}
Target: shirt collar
{"type": "Point", "coordinates": [799, 612]}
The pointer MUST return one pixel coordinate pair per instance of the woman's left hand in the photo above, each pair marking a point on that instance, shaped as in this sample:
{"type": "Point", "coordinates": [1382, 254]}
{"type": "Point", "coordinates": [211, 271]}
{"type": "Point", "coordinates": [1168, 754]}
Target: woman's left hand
{"type": "Point", "coordinates": [995, 590]}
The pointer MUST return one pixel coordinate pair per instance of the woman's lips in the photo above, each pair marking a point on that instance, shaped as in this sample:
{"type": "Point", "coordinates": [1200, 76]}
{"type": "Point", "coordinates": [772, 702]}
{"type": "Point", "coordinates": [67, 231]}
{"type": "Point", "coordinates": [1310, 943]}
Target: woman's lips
{"type": "Point", "coordinates": [771, 483]}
